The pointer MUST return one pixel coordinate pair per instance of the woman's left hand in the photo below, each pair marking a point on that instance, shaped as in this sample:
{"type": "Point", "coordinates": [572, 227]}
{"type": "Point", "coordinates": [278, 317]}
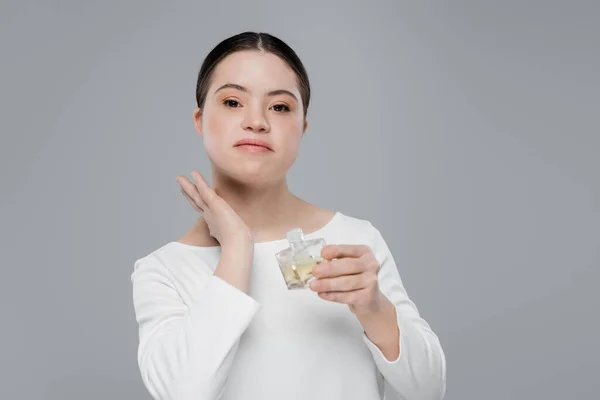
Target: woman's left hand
{"type": "Point", "coordinates": [349, 276]}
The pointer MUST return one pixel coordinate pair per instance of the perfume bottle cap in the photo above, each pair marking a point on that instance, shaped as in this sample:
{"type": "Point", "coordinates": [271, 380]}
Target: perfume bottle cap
{"type": "Point", "coordinates": [295, 235]}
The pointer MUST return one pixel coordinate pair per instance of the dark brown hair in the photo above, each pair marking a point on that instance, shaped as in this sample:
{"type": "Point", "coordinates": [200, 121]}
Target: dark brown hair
{"type": "Point", "coordinates": [252, 41]}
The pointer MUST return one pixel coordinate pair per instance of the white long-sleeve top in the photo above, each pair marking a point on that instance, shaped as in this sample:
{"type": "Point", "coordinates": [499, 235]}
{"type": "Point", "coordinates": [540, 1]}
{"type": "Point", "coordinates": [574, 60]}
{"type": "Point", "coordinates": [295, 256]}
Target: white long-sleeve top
{"type": "Point", "coordinates": [201, 338]}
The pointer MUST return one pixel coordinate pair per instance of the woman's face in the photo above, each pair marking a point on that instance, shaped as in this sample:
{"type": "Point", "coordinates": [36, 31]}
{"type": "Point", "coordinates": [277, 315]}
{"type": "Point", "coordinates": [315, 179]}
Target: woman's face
{"type": "Point", "coordinates": [252, 95]}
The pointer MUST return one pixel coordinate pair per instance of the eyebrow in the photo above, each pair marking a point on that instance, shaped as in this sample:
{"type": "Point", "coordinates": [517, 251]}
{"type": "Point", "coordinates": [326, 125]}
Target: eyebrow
{"type": "Point", "coordinates": [243, 89]}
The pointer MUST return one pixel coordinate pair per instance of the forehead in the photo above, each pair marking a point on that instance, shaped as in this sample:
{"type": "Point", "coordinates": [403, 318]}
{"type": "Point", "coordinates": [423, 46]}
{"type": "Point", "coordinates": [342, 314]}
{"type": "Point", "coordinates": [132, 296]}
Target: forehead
{"type": "Point", "coordinates": [255, 70]}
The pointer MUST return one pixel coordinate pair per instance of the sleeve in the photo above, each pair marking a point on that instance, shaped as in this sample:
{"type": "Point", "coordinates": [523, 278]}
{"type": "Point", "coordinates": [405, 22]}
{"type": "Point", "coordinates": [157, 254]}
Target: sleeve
{"type": "Point", "coordinates": [419, 372]}
{"type": "Point", "coordinates": [186, 350]}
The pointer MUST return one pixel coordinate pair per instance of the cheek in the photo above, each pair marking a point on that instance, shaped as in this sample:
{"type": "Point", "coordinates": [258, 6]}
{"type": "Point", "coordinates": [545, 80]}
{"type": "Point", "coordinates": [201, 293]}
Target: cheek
{"type": "Point", "coordinates": [214, 123]}
{"type": "Point", "coordinates": [292, 147]}
{"type": "Point", "coordinates": [215, 133]}
{"type": "Point", "coordinates": [290, 140]}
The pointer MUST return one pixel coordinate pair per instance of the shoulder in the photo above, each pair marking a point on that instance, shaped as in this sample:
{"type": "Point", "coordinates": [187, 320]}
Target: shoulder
{"type": "Point", "coordinates": [157, 260]}
{"type": "Point", "coordinates": [357, 229]}
{"type": "Point", "coordinates": [198, 235]}
{"type": "Point", "coordinates": [361, 231]}
{"type": "Point", "coordinates": [354, 222]}
{"type": "Point", "coordinates": [172, 260]}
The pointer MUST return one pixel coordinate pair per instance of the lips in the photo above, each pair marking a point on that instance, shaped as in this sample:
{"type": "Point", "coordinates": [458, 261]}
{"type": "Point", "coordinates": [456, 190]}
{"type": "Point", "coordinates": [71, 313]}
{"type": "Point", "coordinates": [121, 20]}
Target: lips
{"type": "Point", "coordinates": [253, 142]}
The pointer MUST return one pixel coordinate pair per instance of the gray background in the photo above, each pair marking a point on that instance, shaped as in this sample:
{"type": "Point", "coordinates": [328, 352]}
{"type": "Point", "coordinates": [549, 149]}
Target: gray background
{"type": "Point", "coordinates": [467, 132]}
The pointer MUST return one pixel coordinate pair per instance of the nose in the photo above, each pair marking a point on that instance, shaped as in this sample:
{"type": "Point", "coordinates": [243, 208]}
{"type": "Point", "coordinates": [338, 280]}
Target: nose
{"type": "Point", "coordinates": [255, 120]}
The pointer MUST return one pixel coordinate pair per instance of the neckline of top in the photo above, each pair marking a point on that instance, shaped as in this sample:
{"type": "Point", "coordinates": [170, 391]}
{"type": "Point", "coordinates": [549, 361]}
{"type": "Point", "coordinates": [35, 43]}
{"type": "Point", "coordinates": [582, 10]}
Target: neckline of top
{"type": "Point", "coordinates": [310, 235]}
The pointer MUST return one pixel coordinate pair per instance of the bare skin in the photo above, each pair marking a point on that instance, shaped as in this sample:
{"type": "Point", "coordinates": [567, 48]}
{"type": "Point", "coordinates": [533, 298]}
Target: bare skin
{"type": "Point", "coordinates": [310, 220]}
{"type": "Point", "coordinates": [220, 225]}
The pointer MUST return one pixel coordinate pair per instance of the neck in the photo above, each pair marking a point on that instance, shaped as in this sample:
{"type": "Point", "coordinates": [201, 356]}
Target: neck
{"type": "Point", "coordinates": [262, 208]}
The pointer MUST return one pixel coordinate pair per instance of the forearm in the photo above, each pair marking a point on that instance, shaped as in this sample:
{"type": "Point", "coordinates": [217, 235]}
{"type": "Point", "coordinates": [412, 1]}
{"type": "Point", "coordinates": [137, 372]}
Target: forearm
{"type": "Point", "coordinates": [381, 327]}
{"type": "Point", "coordinates": [187, 347]}
{"type": "Point", "coordinates": [406, 351]}
{"type": "Point", "coordinates": [418, 369]}
{"type": "Point", "coordinates": [235, 264]}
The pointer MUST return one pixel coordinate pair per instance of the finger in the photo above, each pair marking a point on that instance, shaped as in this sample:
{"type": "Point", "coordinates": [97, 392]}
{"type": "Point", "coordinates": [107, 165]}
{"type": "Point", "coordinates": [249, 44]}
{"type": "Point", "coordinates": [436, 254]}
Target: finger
{"type": "Point", "coordinates": [206, 192]}
{"type": "Point", "coordinates": [343, 297]}
{"type": "Point", "coordinates": [345, 283]}
{"type": "Point", "coordinates": [191, 201]}
{"type": "Point", "coordinates": [192, 192]}
{"type": "Point", "coordinates": [332, 251]}
{"type": "Point", "coordinates": [338, 267]}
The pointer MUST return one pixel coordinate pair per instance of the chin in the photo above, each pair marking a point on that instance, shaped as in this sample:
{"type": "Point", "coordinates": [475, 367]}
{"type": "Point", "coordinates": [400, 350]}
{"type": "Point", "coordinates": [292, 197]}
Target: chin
{"type": "Point", "coordinates": [256, 172]}
{"type": "Point", "coordinates": [246, 175]}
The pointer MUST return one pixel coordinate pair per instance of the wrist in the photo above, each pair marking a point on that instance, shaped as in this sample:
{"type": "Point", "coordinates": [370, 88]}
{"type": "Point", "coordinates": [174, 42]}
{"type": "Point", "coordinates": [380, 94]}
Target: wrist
{"type": "Point", "coordinates": [373, 310]}
{"type": "Point", "coordinates": [378, 321]}
{"type": "Point", "coordinates": [237, 239]}
{"type": "Point", "coordinates": [238, 249]}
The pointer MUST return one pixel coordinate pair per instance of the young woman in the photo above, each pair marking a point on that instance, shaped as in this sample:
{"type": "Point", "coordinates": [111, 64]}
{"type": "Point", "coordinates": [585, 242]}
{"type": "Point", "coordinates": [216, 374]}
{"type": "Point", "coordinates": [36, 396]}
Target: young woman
{"type": "Point", "coordinates": [216, 320]}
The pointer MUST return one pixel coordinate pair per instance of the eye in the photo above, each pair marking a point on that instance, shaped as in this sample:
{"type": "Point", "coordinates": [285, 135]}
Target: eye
{"type": "Point", "coordinates": [231, 103]}
{"type": "Point", "coordinates": [280, 108]}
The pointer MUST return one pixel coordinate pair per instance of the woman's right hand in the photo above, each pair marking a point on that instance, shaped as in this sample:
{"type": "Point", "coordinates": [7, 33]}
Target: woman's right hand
{"type": "Point", "coordinates": [224, 224]}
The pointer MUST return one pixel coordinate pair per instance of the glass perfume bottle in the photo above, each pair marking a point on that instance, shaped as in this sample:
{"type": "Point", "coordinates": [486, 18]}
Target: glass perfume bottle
{"type": "Point", "coordinates": [297, 261]}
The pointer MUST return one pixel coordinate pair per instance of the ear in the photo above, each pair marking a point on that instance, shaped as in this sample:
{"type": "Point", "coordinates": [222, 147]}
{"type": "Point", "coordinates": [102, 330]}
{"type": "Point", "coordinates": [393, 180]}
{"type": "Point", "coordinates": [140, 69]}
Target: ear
{"type": "Point", "coordinates": [305, 126]}
{"type": "Point", "coordinates": [198, 121]}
